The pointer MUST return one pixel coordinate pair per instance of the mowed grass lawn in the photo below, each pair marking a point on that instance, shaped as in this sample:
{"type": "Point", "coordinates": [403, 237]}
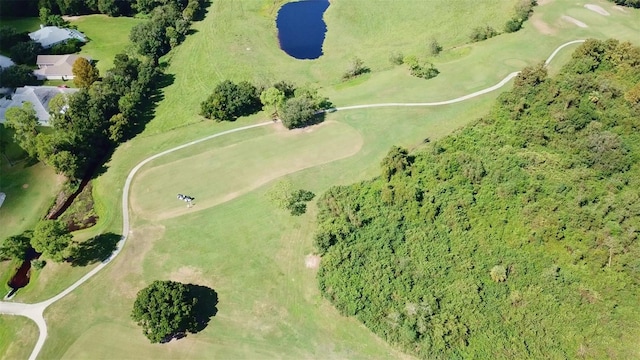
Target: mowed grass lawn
{"type": "Point", "coordinates": [248, 251]}
{"type": "Point", "coordinates": [17, 337]}
{"type": "Point", "coordinates": [108, 36]}
{"type": "Point", "coordinates": [247, 165]}
{"type": "Point", "coordinates": [238, 41]}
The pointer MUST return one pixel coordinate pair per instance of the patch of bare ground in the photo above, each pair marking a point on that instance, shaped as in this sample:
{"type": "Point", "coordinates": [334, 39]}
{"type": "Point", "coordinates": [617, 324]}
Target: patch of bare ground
{"type": "Point", "coordinates": [544, 2]}
{"type": "Point", "coordinates": [312, 261]}
{"type": "Point", "coordinates": [130, 262]}
{"type": "Point", "coordinates": [574, 21]}
{"type": "Point", "coordinates": [597, 9]}
{"type": "Point", "coordinates": [542, 26]}
{"type": "Point", "coordinates": [189, 275]}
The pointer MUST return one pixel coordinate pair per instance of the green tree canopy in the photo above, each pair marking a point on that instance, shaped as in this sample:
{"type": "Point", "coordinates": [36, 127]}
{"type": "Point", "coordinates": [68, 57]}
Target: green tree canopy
{"type": "Point", "coordinates": [52, 239]}
{"type": "Point", "coordinates": [17, 76]}
{"type": "Point", "coordinates": [230, 101]}
{"type": "Point", "coordinates": [25, 52]}
{"type": "Point", "coordinates": [25, 122]}
{"type": "Point", "coordinates": [298, 112]}
{"type": "Point", "coordinates": [15, 247]}
{"type": "Point", "coordinates": [272, 99]}
{"type": "Point", "coordinates": [84, 72]}
{"type": "Point", "coordinates": [165, 309]}
{"type": "Point", "coordinates": [525, 222]}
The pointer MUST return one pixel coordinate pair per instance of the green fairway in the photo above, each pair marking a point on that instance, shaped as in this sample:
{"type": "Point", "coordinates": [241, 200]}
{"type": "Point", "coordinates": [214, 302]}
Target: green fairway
{"type": "Point", "coordinates": [247, 166]}
{"type": "Point", "coordinates": [17, 337]}
{"type": "Point", "coordinates": [252, 254]}
{"type": "Point", "coordinates": [234, 240]}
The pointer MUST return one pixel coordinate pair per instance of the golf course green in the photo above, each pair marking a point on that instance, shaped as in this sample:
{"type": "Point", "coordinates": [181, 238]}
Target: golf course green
{"type": "Point", "coordinates": [257, 257]}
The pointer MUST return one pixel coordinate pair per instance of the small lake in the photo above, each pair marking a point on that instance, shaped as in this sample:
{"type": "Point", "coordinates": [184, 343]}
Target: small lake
{"type": "Point", "coordinates": [301, 29]}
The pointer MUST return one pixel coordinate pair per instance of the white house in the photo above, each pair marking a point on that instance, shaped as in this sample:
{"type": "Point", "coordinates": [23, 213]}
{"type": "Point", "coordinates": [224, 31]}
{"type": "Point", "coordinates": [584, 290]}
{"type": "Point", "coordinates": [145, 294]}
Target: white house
{"type": "Point", "coordinates": [39, 96]}
{"type": "Point", "coordinates": [49, 36]}
{"type": "Point", "coordinates": [56, 66]}
{"type": "Point", "coordinates": [5, 62]}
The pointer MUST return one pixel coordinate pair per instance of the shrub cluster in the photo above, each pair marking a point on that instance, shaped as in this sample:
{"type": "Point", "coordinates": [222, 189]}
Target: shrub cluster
{"type": "Point", "coordinates": [522, 12]}
{"type": "Point", "coordinates": [420, 69]}
{"type": "Point", "coordinates": [356, 68]}
{"type": "Point", "coordinates": [463, 247]}
{"type": "Point", "coordinates": [482, 33]}
{"type": "Point", "coordinates": [295, 107]}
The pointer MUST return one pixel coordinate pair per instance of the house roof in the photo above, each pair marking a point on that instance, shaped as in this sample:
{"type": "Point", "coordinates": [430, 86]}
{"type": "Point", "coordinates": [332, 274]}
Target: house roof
{"type": "Point", "coordinates": [5, 62]}
{"type": "Point", "coordinates": [48, 36]}
{"type": "Point", "coordinates": [39, 96]}
{"type": "Point", "coordinates": [56, 65]}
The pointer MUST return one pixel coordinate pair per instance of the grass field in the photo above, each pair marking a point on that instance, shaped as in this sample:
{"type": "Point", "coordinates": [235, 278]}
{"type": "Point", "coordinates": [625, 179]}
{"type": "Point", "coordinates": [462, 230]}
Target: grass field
{"type": "Point", "coordinates": [249, 252]}
{"type": "Point", "coordinates": [107, 37]}
{"type": "Point", "coordinates": [17, 337]}
{"type": "Point", "coordinates": [30, 190]}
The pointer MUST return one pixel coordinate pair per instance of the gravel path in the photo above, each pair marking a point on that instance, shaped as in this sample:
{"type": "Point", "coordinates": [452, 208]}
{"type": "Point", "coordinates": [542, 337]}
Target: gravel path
{"type": "Point", "coordinates": [35, 311]}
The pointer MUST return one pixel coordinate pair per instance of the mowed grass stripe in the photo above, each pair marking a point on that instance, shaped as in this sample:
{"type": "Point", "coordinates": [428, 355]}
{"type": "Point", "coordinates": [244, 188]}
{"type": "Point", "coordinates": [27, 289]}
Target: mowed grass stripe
{"type": "Point", "coordinates": [219, 175]}
{"type": "Point", "coordinates": [17, 337]}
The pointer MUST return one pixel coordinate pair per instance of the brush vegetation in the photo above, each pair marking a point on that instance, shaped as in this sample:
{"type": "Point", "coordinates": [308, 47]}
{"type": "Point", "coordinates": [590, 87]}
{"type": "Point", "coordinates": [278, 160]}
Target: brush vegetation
{"type": "Point", "coordinates": [513, 238]}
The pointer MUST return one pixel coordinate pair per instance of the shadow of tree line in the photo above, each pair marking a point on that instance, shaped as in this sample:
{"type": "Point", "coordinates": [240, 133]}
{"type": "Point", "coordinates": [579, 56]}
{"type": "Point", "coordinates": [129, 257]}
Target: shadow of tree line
{"type": "Point", "coordinates": [96, 249]}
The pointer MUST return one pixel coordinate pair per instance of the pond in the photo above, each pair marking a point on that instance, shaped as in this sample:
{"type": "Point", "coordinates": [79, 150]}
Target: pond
{"type": "Point", "coordinates": [301, 28]}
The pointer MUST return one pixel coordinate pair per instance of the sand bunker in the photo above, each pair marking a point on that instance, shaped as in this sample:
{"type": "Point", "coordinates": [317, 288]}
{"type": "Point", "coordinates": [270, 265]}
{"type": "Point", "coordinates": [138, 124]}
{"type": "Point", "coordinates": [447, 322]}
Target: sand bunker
{"type": "Point", "coordinates": [620, 8]}
{"type": "Point", "coordinates": [574, 21]}
{"type": "Point", "coordinates": [597, 9]}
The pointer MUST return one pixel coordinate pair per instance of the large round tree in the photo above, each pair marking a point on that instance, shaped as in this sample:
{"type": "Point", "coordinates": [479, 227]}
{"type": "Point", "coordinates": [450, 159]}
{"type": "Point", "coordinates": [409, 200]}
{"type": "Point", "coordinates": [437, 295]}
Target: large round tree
{"type": "Point", "coordinates": [165, 309]}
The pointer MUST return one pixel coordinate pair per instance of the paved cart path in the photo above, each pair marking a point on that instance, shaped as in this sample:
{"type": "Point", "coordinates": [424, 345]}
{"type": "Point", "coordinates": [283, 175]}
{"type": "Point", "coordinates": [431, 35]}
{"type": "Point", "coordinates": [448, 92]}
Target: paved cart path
{"type": "Point", "coordinates": [35, 311]}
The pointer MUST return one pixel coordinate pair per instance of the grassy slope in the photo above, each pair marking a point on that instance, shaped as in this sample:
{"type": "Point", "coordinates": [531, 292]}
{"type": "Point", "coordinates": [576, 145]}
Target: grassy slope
{"type": "Point", "coordinates": [29, 192]}
{"type": "Point", "coordinates": [221, 47]}
{"type": "Point", "coordinates": [107, 37]}
{"type": "Point", "coordinates": [225, 47]}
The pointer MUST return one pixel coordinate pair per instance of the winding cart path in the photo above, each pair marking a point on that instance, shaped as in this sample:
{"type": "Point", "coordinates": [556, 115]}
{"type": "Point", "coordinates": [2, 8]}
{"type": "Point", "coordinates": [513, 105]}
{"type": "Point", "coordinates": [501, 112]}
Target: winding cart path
{"type": "Point", "coordinates": [35, 311]}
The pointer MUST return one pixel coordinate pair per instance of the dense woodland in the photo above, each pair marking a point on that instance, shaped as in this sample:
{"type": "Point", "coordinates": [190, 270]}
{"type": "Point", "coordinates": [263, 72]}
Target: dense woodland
{"type": "Point", "coordinates": [89, 124]}
{"type": "Point", "coordinates": [516, 237]}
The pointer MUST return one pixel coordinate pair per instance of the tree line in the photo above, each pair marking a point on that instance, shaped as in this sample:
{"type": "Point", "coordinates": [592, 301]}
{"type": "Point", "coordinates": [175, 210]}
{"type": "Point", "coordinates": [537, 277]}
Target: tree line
{"type": "Point", "coordinates": [510, 238]}
{"type": "Point", "coordinates": [28, 8]}
{"type": "Point", "coordinates": [295, 106]}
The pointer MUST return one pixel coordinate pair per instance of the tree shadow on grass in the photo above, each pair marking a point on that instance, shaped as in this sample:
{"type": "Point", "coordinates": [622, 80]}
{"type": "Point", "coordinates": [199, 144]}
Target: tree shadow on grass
{"type": "Point", "coordinates": [95, 249]}
{"type": "Point", "coordinates": [205, 308]}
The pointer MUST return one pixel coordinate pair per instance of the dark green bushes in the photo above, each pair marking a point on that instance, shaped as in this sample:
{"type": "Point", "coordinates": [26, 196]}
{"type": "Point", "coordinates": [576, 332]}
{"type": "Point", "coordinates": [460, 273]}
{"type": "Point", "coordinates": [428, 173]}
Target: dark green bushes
{"type": "Point", "coordinates": [511, 233]}
{"type": "Point", "coordinates": [482, 33]}
{"type": "Point", "coordinates": [230, 101]}
{"type": "Point", "coordinates": [420, 69]}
